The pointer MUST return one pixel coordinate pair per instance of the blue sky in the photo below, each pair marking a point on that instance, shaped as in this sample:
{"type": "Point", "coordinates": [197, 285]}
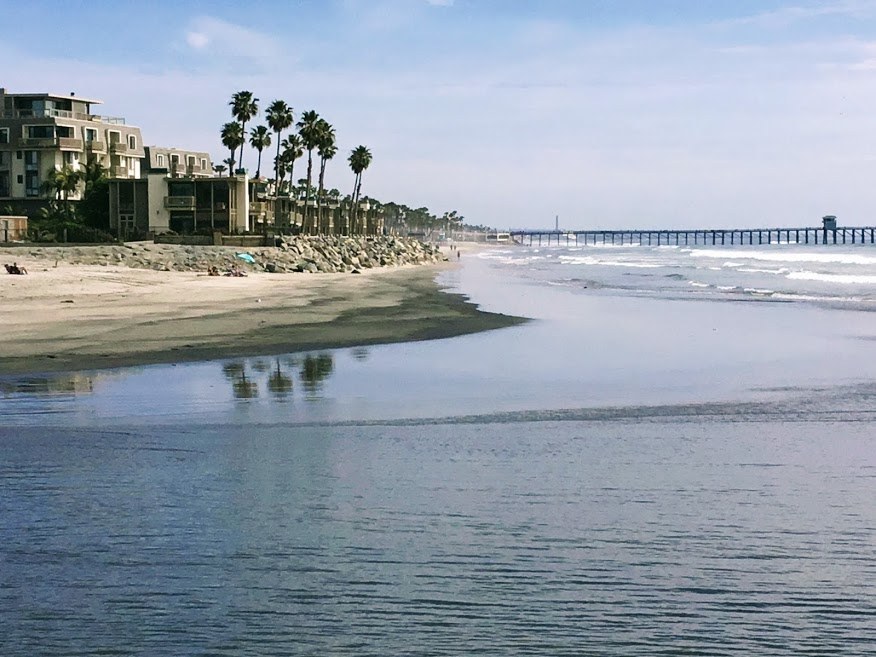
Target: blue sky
{"type": "Point", "coordinates": [608, 113]}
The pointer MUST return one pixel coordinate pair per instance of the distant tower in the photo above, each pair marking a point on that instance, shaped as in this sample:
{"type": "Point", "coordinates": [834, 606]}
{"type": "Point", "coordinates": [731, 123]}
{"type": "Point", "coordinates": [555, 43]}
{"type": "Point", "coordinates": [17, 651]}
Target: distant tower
{"type": "Point", "coordinates": [557, 222]}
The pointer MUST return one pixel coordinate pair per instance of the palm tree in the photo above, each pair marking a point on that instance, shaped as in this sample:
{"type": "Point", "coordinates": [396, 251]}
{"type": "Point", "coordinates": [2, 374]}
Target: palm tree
{"type": "Point", "coordinates": [360, 159]}
{"type": "Point", "coordinates": [292, 150]}
{"type": "Point", "coordinates": [219, 169]}
{"type": "Point", "coordinates": [326, 149]}
{"type": "Point", "coordinates": [279, 117]}
{"type": "Point", "coordinates": [63, 182]}
{"type": "Point", "coordinates": [259, 139]}
{"type": "Point", "coordinates": [243, 108]}
{"type": "Point", "coordinates": [309, 129]}
{"type": "Point", "coordinates": [232, 139]}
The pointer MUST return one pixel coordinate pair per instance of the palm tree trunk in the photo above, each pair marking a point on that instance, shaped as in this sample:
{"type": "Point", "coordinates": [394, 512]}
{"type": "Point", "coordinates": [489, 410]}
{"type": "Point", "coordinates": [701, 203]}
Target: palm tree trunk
{"type": "Point", "coordinates": [259, 165]}
{"type": "Point", "coordinates": [307, 192]}
{"type": "Point", "coordinates": [353, 213]}
{"type": "Point", "coordinates": [277, 167]}
{"type": "Point", "coordinates": [319, 220]}
{"type": "Point", "coordinates": [243, 143]}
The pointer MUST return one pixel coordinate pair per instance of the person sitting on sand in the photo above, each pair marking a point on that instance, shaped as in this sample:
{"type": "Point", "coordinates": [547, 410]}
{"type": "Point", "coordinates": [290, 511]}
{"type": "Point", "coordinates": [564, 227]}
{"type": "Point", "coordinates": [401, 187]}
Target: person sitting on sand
{"type": "Point", "coordinates": [213, 271]}
{"type": "Point", "coordinates": [15, 269]}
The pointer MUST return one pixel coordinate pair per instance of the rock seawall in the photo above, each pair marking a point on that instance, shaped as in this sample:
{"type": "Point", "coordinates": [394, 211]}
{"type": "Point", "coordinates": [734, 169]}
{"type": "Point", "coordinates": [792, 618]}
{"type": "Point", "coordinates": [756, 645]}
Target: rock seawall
{"type": "Point", "coordinates": [292, 254]}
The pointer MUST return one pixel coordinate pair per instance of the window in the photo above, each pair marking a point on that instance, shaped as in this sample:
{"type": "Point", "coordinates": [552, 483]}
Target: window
{"type": "Point", "coordinates": [159, 159]}
{"type": "Point", "coordinates": [132, 142]}
{"type": "Point", "coordinates": [31, 159]}
{"type": "Point", "coordinates": [90, 134]}
{"type": "Point", "coordinates": [31, 183]}
{"type": "Point", "coordinates": [4, 135]}
{"type": "Point", "coordinates": [203, 164]}
{"type": "Point", "coordinates": [40, 132]}
{"type": "Point", "coordinates": [190, 160]}
{"type": "Point", "coordinates": [64, 131]}
{"type": "Point", "coordinates": [123, 162]}
{"type": "Point", "coordinates": [4, 183]}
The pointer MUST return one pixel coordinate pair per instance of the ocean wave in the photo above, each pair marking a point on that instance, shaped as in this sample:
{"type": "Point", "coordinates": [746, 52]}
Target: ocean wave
{"type": "Point", "coordinates": [590, 260]}
{"type": "Point", "coordinates": [758, 291]}
{"type": "Point", "coordinates": [752, 270]}
{"type": "Point", "coordinates": [847, 279]}
{"type": "Point", "coordinates": [698, 284]}
{"type": "Point", "coordinates": [824, 258]}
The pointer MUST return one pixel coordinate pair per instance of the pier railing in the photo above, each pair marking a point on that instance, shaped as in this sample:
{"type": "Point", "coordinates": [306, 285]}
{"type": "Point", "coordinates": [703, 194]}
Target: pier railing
{"type": "Point", "coordinates": [706, 237]}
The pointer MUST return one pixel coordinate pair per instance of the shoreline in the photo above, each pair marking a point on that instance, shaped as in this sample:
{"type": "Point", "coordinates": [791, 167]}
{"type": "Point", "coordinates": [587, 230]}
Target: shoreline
{"type": "Point", "coordinates": [77, 317]}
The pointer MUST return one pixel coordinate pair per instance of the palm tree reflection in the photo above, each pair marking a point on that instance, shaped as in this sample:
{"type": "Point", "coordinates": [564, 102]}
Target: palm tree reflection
{"type": "Point", "coordinates": [280, 384]}
{"type": "Point", "coordinates": [315, 370]}
{"type": "Point", "coordinates": [360, 353]}
{"type": "Point", "coordinates": [245, 388]}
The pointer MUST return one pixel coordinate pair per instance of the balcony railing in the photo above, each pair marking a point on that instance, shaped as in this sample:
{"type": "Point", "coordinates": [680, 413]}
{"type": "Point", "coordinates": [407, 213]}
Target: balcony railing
{"type": "Point", "coordinates": [96, 146]}
{"type": "Point", "coordinates": [68, 143]}
{"type": "Point", "coordinates": [179, 202]}
{"type": "Point", "coordinates": [32, 142]}
{"type": "Point", "coordinates": [118, 147]}
{"type": "Point", "coordinates": [119, 172]}
{"type": "Point", "coordinates": [63, 114]}
{"type": "Point", "coordinates": [259, 206]}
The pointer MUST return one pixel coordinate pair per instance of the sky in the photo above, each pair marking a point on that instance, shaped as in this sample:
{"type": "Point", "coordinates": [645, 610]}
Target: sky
{"type": "Point", "coordinates": [603, 113]}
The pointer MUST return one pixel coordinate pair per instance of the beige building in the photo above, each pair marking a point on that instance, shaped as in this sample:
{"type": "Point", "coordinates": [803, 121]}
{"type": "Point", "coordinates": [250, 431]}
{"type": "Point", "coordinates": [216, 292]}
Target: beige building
{"type": "Point", "coordinates": [13, 228]}
{"type": "Point", "coordinates": [159, 203]}
{"type": "Point", "coordinates": [42, 132]}
{"type": "Point", "coordinates": [176, 162]}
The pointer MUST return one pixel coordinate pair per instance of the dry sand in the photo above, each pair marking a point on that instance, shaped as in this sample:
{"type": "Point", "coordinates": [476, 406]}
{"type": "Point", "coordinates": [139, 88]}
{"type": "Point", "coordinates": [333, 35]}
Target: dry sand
{"type": "Point", "coordinates": [74, 317]}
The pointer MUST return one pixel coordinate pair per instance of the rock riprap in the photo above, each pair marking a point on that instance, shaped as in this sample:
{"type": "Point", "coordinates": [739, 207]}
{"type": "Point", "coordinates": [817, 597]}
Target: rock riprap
{"type": "Point", "coordinates": [292, 254]}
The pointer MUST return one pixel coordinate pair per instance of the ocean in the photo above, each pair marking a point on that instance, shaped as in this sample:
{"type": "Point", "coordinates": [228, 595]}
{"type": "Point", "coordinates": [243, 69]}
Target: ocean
{"type": "Point", "coordinates": [675, 456]}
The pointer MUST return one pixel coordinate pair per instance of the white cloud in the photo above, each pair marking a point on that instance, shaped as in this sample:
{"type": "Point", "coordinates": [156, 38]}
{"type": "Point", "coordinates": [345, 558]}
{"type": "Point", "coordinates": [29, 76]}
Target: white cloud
{"type": "Point", "coordinates": [223, 39]}
{"type": "Point", "coordinates": [197, 40]}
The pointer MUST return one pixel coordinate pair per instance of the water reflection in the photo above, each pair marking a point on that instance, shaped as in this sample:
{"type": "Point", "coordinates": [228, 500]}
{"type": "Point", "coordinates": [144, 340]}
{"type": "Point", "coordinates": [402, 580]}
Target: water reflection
{"type": "Point", "coordinates": [48, 385]}
{"type": "Point", "coordinates": [245, 388]}
{"type": "Point", "coordinates": [274, 379]}
{"type": "Point", "coordinates": [314, 371]}
{"type": "Point", "coordinates": [279, 383]}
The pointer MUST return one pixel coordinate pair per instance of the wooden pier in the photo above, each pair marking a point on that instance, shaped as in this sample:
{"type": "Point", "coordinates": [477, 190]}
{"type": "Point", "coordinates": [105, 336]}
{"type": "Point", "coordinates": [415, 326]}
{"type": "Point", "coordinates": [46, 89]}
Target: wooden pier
{"type": "Point", "coordinates": [705, 237]}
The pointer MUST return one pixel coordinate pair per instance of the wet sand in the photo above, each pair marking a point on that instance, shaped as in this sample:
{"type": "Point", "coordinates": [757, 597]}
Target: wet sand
{"type": "Point", "coordinates": [74, 317]}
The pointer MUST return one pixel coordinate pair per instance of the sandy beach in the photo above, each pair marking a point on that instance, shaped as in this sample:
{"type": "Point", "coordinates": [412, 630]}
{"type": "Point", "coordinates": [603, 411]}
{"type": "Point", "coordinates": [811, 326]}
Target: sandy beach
{"type": "Point", "coordinates": [72, 317]}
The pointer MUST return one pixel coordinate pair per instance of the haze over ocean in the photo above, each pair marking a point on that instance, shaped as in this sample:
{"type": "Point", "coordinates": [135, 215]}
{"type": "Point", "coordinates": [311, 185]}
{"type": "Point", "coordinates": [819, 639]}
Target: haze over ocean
{"type": "Point", "coordinates": [675, 455]}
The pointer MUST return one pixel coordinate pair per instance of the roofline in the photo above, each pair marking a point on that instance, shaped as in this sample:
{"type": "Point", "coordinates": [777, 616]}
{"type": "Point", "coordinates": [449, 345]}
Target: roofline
{"type": "Point", "coordinates": [81, 99]}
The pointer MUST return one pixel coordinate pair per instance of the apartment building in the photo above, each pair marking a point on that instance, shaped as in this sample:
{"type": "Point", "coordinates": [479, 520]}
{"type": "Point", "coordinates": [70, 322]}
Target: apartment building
{"type": "Point", "coordinates": [158, 203]}
{"type": "Point", "coordinates": [176, 163]}
{"type": "Point", "coordinates": [41, 132]}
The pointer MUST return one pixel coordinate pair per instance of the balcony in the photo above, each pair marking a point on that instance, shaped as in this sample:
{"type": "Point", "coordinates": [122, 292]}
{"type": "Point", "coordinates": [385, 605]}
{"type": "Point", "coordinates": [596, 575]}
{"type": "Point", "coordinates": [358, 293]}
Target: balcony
{"type": "Point", "coordinates": [118, 147]}
{"type": "Point", "coordinates": [43, 142]}
{"type": "Point", "coordinates": [119, 172]}
{"type": "Point", "coordinates": [69, 144]}
{"type": "Point", "coordinates": [94, 146]}
{"type": "Point", "coordinates": [179, 202]}
{"type": "Point", "coordinates": [259, 206]}
{"type": "Point", "coordinates": [193, 170]}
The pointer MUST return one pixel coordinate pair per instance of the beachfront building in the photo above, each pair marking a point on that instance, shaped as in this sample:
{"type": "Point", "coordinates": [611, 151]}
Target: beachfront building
{"type": "Point", "coordinates": [176, 163]}
{"type": "Point", "coordinates": [160, 203]}
{"type": "Point", "coordinates": [43, 132]}
{"type": "Point", "coordinates": [13, 228]}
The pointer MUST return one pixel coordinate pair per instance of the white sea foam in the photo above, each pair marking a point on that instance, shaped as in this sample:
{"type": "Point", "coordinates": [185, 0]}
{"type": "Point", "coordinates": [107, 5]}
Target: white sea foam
{"type": "Point", "coordinates": [727, 288]}
{"type": "Point", "coordinates": [752, 270]}
{"type": "Point", "coordinates": [755, 290]}
{"type": "Point", "coordinates": [590, 260]}
{"type": "Point", "coordinates": [784, 256]}
{"type": "Point", "coordinates": [848, 279]}
{"type": "Point", "coordinates": [698, 284]}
